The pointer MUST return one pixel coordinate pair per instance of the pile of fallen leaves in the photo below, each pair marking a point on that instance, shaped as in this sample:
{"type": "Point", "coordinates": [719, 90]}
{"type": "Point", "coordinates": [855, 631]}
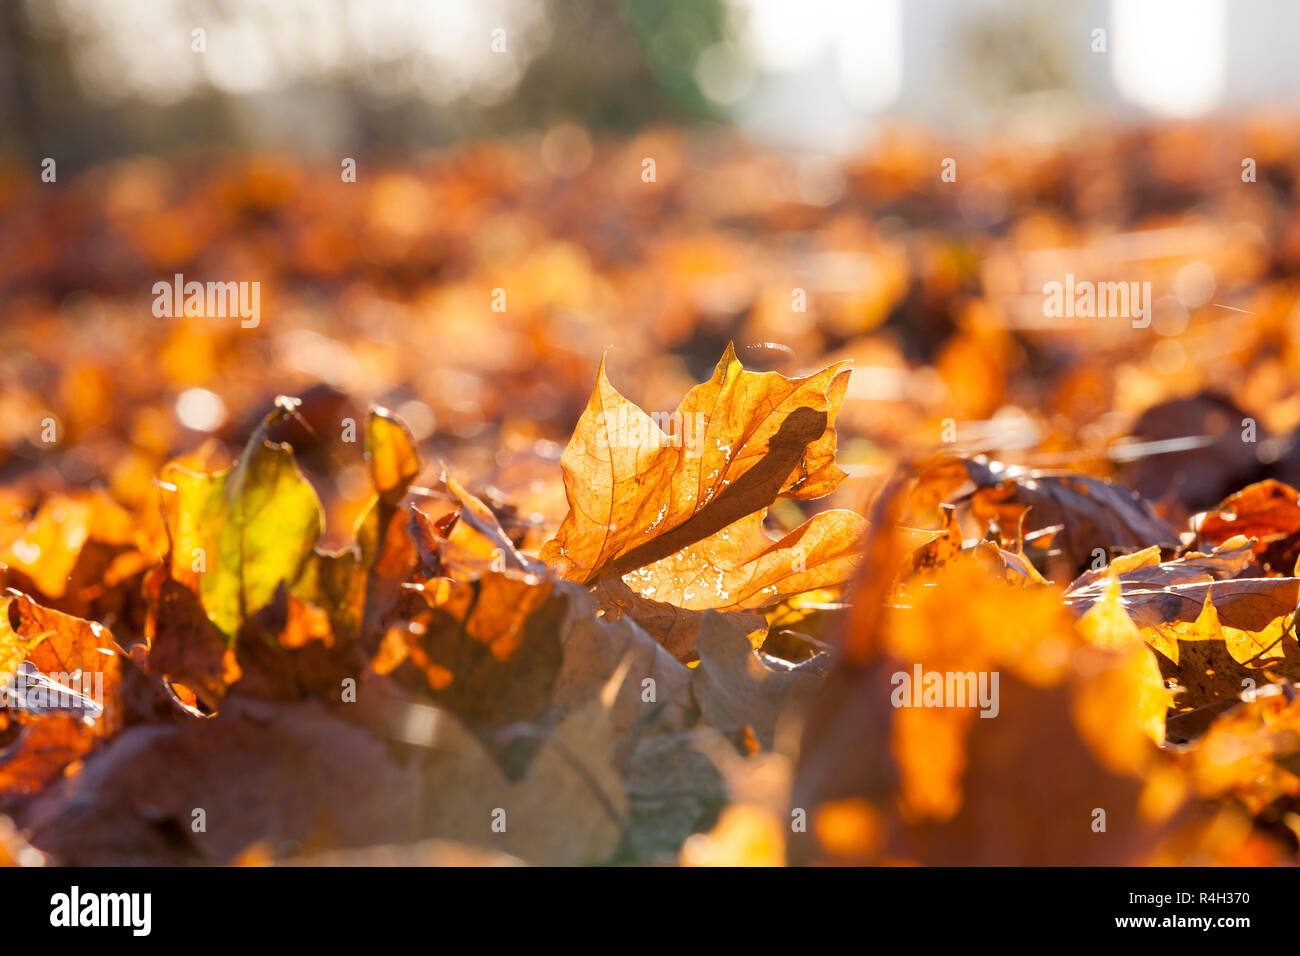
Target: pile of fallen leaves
{"type": "Point", "coordinates": [432, 692]}
{"type": "Point", "coordinates": [1145, 712]}
{"type": "Point", "coordinates": [246, 627]}
{"type": "Point", "coordinates": [431, 682]}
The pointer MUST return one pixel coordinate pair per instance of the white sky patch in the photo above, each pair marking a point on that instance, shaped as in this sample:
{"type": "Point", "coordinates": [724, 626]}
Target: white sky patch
{"type": "Point", "coordinates": [865, 37]}
{"type": "Point", "coordinates": [1169, 54]}
{"type": "Point", "coordinates": [869, 47]}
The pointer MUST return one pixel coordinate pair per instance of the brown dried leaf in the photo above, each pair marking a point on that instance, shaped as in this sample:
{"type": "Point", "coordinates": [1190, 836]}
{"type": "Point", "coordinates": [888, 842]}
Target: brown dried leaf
{"type": "Point", "coordinates": [737, 686]}
{"type": "Point", "coordinates": [290, 774]}
{"type": "Point", "coordinates": [674, 627]}
{"type": "Point", "coordinates": [1160, 593]}
{"type": "Point", "coordinates": [1092, 514]}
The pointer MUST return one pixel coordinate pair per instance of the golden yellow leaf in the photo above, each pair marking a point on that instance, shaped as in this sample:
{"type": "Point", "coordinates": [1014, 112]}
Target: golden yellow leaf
{"type": "Point", "coordinates": [639, 494]}
{"type": "Point", "coordinates": [1106, 624]}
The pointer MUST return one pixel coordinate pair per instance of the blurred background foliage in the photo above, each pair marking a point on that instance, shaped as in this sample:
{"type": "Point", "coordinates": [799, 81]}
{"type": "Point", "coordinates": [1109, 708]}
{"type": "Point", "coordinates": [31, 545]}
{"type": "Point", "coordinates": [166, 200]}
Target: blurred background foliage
{"type": "Point", "coordinates": [86, 80]}
{"type": "Point", "coordinates": [798, 211]}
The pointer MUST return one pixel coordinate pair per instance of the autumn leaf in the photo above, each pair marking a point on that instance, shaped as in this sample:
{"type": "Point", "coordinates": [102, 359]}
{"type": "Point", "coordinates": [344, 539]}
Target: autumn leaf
{"type": "Point", "coordinates": [390, 452]}
{"type": "Point", "coordinates": [738, 687]}
{"type": "Point", "coordinates": [569, 808]}
{"type": "Point", "coordinates": [1145, 571]}
{"type": "Point", "coordinates": [1202, 663]}
{"type": "Point", "coordinates": [58, 644]}
{"type": "Point", "coordinates": [504, 644]}
{"type": "Point", "coordinates": [1012, 566]}
{"type": "Point", "coordinates": [1091, 515]}
{"type": "Point", "coordinates": [934, 777]}
{"type": "Point", "coordinates": [742, 568]}
{"type": "Point", "coordinates": [1217, 635]}
{"type": "Point", "coordinates": [238, 534]}
{"type": "Point", "coordinates": [477, 535]}
{"type": "Point", "coordinates": [62, 678]}
{"type": "Point", "coordinates": [312, 626]}
{"type": "Point", "coordinates": [674, 627]}
{"type": "Point", "coordinates": [943, 546]}
{"type": "Point", "coordinates": [41, 754]}
{"type": "Point", "coordinates": [1156, 593]}
{"type": "Point", "coordinates": [1106, 624]}
{"type": "Point", "coordinates": [689, 504]}
{"type": "Point", "coordinates": [385, 556]}
{"type": "Point", "coordinates": [54, 548]}
{"type": "Point", "coordinates": [1251, 753]}
{"type": "Point", "coordinates": [317, 779]}
{"type": "Point", "coordinates": [1268, 512]}
{"type": "Point", "coordinates": [183, 642]}
{"type": "Point", "coordinates": [512, 647]}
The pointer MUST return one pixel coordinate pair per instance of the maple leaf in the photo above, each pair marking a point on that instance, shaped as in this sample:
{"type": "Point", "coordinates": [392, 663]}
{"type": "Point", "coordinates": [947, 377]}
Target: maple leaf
{"type": "Point", "coordinates": [1267, 511]}
{"type": "Point", "coordinates": [742, 568]}
{"type": "Point", "coordinates": [1200, 656]}
{"type": "Point", "coordinates": [1154, 593]}
{"type": "Point", "coordinates": [239, 533]}
{"type": "Point", "coordinates": [62, 678]}
{"type": "Point", "coordinates": [1086, 513]}
{"type": "Point", "coordinates": [496, 642]}
{"type": "Point", "coordinates": [737, 686]}
{"type": "Point", "coordinates": [1217, 634]}
{"type": "Point", "coordinates": [674, 627]}
{"type": "Point", "coordinates": [679, 515]}
{"type": "Point", "coordinates": [321, 618]}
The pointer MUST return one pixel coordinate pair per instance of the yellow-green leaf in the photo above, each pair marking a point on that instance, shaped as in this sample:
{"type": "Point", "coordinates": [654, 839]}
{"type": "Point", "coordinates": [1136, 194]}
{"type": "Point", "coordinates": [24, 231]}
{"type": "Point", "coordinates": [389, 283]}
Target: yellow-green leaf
{"type": "Point", "coordinates": [238, 534]}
